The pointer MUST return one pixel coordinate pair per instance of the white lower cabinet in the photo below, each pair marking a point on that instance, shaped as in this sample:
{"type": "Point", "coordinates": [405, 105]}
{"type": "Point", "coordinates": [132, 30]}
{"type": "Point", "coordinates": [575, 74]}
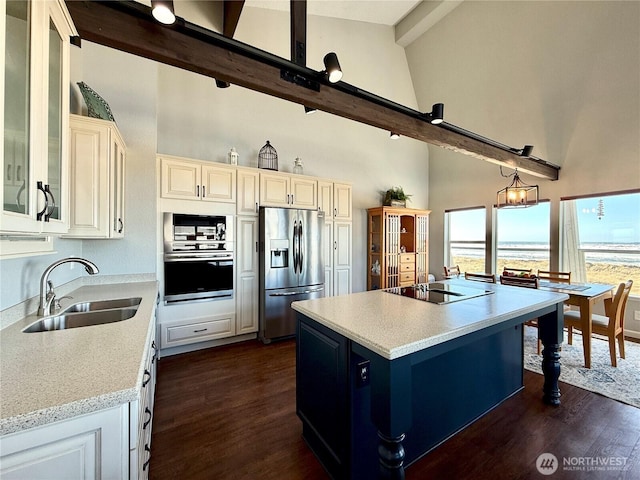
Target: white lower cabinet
{"type": "Point", "coordinates": [196, 329]}
{"type": "Point", "coordinates": [113, 444]}
{"type": "Point", "coordinates": [92, 446]}
{"type": "Point", "coordinates": [247, 275]}
{"type": "Point", "coordinates": [337, 257]}
{"type": "Point", "coordinates": [141, 420]}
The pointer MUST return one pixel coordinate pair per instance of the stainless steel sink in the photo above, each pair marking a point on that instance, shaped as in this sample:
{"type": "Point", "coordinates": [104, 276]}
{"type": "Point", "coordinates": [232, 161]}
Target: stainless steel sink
{"type": "Point", "coordinates": [103, 305]}
{"type": "Point", "coordinates": [80, 319]}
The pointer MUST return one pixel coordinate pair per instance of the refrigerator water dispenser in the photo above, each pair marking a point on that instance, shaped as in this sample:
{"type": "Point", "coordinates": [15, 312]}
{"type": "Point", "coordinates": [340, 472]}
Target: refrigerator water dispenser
{"type": "Point", "coordinates": [279, 253]}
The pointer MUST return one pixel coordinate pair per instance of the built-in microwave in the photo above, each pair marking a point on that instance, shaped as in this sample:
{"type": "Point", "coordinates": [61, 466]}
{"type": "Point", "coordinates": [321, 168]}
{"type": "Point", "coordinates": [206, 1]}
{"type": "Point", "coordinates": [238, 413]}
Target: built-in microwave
{"type": "Point", "coordinates": [198, 257]}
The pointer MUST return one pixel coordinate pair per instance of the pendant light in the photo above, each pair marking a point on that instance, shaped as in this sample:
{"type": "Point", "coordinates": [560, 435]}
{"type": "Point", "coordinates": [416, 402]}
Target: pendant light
{"type": "Point", "coordinates": [517, 194]}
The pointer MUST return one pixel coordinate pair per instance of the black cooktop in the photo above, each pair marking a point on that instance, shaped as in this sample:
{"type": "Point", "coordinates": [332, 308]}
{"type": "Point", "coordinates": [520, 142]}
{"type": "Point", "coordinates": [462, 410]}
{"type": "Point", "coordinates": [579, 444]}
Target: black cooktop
{"type": "Point", "coordinates": [438, 293]}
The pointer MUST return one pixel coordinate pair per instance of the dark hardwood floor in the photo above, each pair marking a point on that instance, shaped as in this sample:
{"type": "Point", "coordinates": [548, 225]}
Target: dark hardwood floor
{"type": "Point", "coordinates": [229, 413]}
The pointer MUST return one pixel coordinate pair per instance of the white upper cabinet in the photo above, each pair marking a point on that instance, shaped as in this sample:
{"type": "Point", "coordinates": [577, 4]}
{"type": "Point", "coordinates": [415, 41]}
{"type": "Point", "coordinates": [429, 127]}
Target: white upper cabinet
{"type": "Point", "coordinates": [288, 191]}
{"type": "Point", "coordinates": [342, 201]}
{"type": "Point", "coordinates": [97, 165]}
{"type": "Point", "coordinates": [248, 192]}
{"type": "Point", "coordinates": [34, 100]}
{"type": "Point", "coordinates": [334, 199]}
{"type": "Point", "coordinates": [192, 180]}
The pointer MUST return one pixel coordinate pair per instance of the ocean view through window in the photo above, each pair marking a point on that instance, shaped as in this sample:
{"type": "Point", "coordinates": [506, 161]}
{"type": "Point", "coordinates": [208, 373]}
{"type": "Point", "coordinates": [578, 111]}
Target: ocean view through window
{"type": "Point", "coordinates": [465, 244]}
{"type": "Point", "coordinates": [523, 238]}
{"type": "Point", "coordinates": [601, 238]}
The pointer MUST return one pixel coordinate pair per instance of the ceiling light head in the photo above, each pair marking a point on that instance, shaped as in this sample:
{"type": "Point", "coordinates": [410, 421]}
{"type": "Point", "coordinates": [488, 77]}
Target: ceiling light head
{"type": "Point", "coordinates": [436, 116]}
{"type": "Point", "coordinates": [526, 151]}
{"type": "Point", "coordinates": [162, 11]}
{"type": "Point", "coordinates": [332, 67]}
{"type": "Point", "coordinates": [394, 135]}
{"type": "Point", "coordinates": [309, 110]}
{"type": "Point", "coordinates": [517, 194]}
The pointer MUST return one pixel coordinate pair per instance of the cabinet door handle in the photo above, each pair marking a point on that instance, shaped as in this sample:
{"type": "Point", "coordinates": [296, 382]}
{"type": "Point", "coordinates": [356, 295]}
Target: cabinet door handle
{"type": "Point", "coordinates": [256, 207]}
{"type": "Point", "coordinates": [155, 352]}
{"type": "Point", "coordinates": [20, 190]}
{"type": "Point", "coordinates": [148, 450]}
{"type": "Point", "coordinates": [148, 379]}
{"type": "Point", "coordinates": [48, 191]}
{"type": "Point", "coordinates": [203, 192]}
{"type": "Point", "coordinates": [335, 245]}
{"type": "Point", "coordinates": [120, 225]}
{"type": "Point", "coordinates": [41, 213]}
{"type": "Point", "coordinates": [197, 190]}
{"type": "Point", "coordinates": [335, 212]}
{"type": "Point", "coordinates": [256, 247]}
{"type": "Point", "coordinates": [148, 420]}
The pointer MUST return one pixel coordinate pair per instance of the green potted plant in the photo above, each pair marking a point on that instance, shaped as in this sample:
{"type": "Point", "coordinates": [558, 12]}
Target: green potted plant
{"type": "Point", "coordinates": [395, 197]}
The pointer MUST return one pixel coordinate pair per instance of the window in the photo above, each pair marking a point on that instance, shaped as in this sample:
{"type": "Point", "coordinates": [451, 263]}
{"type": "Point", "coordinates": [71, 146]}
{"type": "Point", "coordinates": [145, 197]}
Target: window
{"type": "Point", "coordinates": [465, 239]}
{"type": "Point", "coordinates": [601, 238]}
{"type": "Point", "coordinates": [523, 238]}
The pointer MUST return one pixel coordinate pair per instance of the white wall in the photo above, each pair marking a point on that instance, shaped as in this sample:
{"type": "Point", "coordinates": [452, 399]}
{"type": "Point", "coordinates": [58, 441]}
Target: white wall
{"type": "Point", "coordinates": [163, 109]}
{"type": "Point", "coordinates": [198, 120]}
{"type": "Point", "coordinates": [562, 76]}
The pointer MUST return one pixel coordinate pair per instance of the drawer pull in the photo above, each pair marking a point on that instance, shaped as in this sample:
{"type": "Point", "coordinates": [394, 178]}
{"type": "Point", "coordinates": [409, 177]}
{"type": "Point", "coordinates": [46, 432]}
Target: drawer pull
{"type": "Point", "coordinates": [201, 330]}
{"type": "Point", "coordinates": [148, 421]}
{"type": "Point", "coordinates": [148, 379]}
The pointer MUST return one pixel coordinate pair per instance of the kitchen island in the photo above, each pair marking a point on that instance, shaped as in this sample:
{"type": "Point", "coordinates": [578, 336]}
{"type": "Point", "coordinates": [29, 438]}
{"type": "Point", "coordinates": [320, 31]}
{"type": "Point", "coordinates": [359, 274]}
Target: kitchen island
{"type": "Point", "coordinates": [381, 379]}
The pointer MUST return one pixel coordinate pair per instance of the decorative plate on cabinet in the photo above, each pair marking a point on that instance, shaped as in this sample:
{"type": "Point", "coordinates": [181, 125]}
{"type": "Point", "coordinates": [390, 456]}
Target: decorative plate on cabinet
{"type": "Point", "coordinates": [97, 107]}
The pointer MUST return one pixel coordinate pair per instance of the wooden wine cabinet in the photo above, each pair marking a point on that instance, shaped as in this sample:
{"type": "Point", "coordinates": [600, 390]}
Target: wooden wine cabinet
{"type": "Point", "coordinates": [397, 247]}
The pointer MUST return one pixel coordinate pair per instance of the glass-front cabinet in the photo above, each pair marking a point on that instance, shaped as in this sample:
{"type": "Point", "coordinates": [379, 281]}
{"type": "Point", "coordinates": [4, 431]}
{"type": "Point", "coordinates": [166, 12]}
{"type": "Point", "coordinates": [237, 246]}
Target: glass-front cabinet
{"type": "Point", "coordinates": [398, 247]}
{"type": "Point", "coordinates": [35, 107]}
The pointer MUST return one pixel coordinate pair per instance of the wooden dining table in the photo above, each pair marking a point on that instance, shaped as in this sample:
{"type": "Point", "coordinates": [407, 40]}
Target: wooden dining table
{"type": "Point", "coordinates": [584, 296]}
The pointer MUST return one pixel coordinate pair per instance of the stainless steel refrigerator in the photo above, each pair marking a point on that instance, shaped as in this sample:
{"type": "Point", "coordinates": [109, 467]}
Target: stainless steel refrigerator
{"type": "Point", "coordinates": [291, 267]}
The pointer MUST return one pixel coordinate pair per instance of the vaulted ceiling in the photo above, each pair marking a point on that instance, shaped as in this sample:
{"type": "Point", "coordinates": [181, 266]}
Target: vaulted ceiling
{"type": "Point", "coordinates": [128, 26]}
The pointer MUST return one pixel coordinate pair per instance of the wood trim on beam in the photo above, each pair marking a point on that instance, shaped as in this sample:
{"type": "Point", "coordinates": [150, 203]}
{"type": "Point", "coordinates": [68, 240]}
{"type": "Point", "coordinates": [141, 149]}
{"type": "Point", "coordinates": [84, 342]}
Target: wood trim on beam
{"type": "Point", "coordinates": [129, 27]}
{"type": "Point", "coordinates": [298, 12]}
{"type": "Point", "coordinates": [232, 10]}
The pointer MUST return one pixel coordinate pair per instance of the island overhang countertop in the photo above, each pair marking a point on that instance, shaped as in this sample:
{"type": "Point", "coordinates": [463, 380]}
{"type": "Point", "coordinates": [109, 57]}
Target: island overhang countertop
{"type": "Point", "coordinates": [393, 325]}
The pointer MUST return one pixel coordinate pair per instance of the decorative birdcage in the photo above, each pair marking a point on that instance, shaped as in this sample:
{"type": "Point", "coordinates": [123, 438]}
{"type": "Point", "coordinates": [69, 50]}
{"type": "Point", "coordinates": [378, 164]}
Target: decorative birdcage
{"type": "Point", "coordinates": [268, 157]}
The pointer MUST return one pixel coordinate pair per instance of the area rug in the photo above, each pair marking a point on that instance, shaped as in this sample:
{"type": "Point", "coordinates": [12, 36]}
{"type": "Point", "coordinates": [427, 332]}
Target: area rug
{"type": "Point", "coordinates": [621, 383]}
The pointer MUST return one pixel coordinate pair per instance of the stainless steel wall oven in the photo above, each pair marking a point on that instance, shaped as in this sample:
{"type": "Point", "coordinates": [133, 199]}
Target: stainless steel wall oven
{"type": "Point", "coordinates": [198, 257]}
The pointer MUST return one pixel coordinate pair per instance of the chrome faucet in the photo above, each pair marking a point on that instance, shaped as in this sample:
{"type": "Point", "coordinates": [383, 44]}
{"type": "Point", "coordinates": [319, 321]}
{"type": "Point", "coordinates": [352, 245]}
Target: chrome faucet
{"type": "Point", "coordinates": [47, 296]}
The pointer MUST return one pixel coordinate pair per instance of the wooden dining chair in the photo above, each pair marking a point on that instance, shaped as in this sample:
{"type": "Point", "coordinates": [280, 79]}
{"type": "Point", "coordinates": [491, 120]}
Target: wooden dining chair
{"type": "Point", "coordinates": [558, 277]}
{"type": "Point", "coordinates": [480, 277]}
{"type": "Point", "coordinates": [610, 325]}
{"type": "Point", "coordinates": [527, 283]}
{"type": "Point", "coordinates": [452, 271]}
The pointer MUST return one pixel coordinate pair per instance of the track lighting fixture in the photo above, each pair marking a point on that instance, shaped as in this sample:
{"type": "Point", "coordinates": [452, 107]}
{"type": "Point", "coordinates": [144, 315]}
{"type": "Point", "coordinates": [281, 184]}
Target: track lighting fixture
{"type": "Point", "coordinates": [526, 151]}
{"type": "Point", "coordinates": [309, 110]}
{"type": "Point", "coordinates": [162, 11]}
{"type": "Point", "coordinates": [394, 135]}
{"type": "Point", "coordinates": [517, 194]}
{"type": "Point", "coordinates": [332, 67]}
{"type": "Point", "coordinates": [222, 84]}
{"type": "Point", "coordinates": [436, 115]}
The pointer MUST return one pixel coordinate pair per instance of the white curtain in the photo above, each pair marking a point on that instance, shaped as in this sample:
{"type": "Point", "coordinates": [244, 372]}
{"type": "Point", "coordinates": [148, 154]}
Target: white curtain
{"type": "Point", "coordinates": [572, 259]}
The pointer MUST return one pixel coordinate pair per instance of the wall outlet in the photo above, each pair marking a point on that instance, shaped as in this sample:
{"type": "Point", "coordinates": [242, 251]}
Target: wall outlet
{"type": "Point", "coordinates": [636, 315]}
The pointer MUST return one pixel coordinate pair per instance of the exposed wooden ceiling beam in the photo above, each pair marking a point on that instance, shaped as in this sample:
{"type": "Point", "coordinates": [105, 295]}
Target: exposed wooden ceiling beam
{"type": "Point", "coordinates": [232, 10]}
{"type": "Point", "coordinates": [128, 26]}
{"type": "Point", "coordinates": [298, 11]}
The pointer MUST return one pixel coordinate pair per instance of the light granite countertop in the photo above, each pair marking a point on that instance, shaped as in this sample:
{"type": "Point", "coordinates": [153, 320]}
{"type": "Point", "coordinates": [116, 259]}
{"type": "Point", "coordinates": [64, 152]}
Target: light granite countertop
{"type": "Point", "coordinates": [51, 376]}
{"type": "Point", "coordinates": [394, 326]}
